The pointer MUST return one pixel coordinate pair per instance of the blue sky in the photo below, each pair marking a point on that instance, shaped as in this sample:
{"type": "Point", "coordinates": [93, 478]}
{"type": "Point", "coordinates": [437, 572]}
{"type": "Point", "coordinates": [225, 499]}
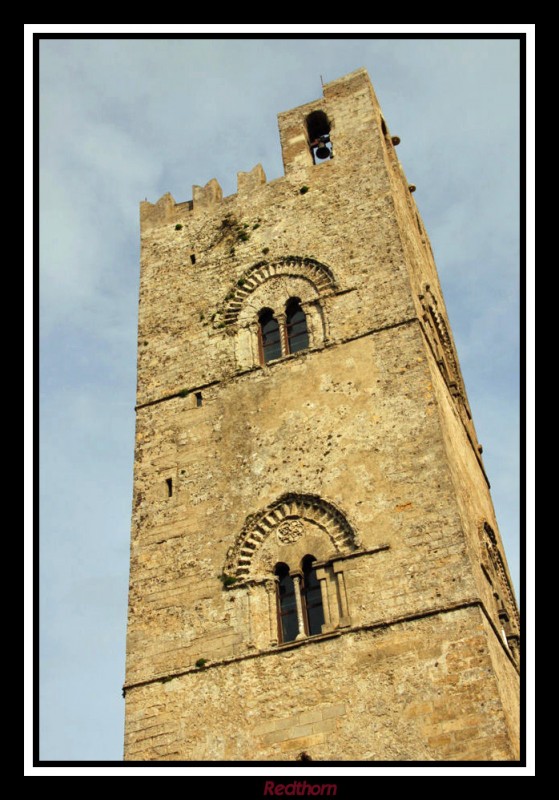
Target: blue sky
{"type": "Point", "coordinates": [123, 120]}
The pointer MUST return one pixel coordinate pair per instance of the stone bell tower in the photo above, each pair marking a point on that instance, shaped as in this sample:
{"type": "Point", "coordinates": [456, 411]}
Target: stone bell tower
{"type": "Point", "coordinates": [316, 568]}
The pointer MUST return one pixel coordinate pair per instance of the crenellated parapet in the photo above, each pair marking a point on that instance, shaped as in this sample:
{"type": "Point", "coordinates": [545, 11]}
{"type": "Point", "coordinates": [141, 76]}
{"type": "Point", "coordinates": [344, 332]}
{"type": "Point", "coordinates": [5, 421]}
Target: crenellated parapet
{"type": "Point", "coordinates": [204, 198]}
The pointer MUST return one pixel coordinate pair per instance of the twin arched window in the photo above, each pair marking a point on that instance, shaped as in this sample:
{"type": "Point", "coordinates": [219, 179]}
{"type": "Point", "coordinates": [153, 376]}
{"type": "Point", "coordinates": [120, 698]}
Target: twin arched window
{"type": "Point", "coordinates": [288, 335]}
{"type": "Point", "coordinates": [300, 610]}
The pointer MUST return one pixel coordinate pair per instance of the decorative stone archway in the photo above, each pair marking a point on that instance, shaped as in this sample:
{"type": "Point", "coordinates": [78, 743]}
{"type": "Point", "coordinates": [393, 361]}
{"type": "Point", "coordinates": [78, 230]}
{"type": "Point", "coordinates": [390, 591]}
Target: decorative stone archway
{"type": "Point", "coordinates": [287, 518]}
{"type": "Point", "coordinates": [316, 273]}
{"type": "Point", "coordinates": [494, 569]}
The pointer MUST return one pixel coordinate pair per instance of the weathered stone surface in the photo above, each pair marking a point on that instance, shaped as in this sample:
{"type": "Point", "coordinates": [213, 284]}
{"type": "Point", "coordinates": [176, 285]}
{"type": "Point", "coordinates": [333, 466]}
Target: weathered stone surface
{"type": "Point", "coordinates": [359, 450]}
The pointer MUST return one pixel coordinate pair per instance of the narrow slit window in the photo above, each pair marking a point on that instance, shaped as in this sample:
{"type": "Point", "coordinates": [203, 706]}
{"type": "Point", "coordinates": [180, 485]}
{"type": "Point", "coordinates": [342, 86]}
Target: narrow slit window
{"type": "Point", "coordinates": [287, 604]}
{"type": "Point", "coordinates": [169, 482]}
{"type": "Point", "coordinates": [296, 326]}
{"type": "Point", "coordinates": [269, 335]}
{"type": "Point", "coordinates": [198, 396]}
{"type": "Point", "coordinates": [192, 258]}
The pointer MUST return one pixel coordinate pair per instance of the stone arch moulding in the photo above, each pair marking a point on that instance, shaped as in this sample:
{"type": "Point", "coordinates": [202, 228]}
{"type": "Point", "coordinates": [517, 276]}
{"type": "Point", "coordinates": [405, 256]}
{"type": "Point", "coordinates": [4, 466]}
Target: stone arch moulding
{"type": "Point", "coordinates": [259, 526]}
{"type": "Point", "coordinates": [493, 564]}
{"type": "Point", "coordinates": [446, 357]}
{"type": "Point", "coordinates": [318, 274]}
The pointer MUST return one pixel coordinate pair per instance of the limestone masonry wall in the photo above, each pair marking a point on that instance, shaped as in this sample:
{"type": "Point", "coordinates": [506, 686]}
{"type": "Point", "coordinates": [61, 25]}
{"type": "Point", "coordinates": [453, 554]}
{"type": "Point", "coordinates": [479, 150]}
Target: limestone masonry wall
{"type": "Point", "coordinates": [359, 450]}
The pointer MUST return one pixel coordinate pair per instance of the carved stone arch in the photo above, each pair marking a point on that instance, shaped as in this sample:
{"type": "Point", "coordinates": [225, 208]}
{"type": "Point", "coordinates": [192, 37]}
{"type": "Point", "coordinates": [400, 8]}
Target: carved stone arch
{"type": "Point", "coordinates": [437, 330]}
{"type": "Point", "coordinates": [318, 274]}
{"type": "Point", "coordinates": [495, 570]}
{"type": "Point", "coordinates": [448, 349]}
{"type": "Point", "coordinates": [275, 293]}
{"type": "Point", "coordinates": [285, 514]}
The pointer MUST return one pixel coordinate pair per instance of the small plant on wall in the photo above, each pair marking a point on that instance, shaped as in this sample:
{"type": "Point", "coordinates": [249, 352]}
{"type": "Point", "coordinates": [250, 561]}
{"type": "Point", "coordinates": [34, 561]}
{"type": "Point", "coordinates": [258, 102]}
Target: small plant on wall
{"type": "Point", "coordinates": [227, 580]}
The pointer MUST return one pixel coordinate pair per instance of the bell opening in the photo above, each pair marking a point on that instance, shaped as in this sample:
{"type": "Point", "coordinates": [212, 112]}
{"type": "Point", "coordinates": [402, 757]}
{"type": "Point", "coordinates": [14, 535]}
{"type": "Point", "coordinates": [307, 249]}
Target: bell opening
{"type": "Point", "coordinates": [318, 130]}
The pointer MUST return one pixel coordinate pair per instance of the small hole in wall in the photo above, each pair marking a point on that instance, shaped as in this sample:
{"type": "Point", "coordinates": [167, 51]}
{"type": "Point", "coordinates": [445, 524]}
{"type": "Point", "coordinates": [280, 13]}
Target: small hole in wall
{"type": "Point", "coordinates": [304, 757]}
{"type": "Point", "coordinates": [169, 482]}
{"type": "Point", "coordinates": [192, 258]}
{"type": "Point", "coordinates": [198, 396]}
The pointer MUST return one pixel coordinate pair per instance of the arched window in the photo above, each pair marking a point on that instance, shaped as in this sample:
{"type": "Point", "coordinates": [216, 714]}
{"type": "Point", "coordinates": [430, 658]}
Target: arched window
{"type": "Point", "coordinates": [312, 598]}
{"type": "Point", "coordinates": [269, 336]}
{"type": "Point", "coordinates": [296, 325]}
{"type": "Point", "coordinates": [318, 129]}
{"type": "Point", "coordinates": [300, 611]}
{"type": "Point", "coordinates": [287, 604]}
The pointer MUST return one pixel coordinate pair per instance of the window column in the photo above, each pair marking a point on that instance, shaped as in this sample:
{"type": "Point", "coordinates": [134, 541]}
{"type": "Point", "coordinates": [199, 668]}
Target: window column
{"type": "Point", "coordinates": [345, 621]}
{"type": "Point", "coordinates": [282, 324]}
{"type": "Point", "coordinates": [322, 576]}
{"type": "Point", "coordinates": [296, 577]}
{"type": "Point", "coordinates": [272, 591]}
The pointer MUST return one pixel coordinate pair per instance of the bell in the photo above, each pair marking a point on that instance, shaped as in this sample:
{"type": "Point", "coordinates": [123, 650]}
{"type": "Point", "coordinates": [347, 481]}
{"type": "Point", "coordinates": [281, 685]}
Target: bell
{"type": "Point", "coordinates": [322, 151]}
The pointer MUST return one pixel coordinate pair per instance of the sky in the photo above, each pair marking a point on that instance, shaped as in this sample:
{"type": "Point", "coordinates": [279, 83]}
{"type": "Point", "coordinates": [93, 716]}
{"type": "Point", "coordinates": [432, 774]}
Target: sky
{"type": "Point", "coordinates": [122, 120]}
